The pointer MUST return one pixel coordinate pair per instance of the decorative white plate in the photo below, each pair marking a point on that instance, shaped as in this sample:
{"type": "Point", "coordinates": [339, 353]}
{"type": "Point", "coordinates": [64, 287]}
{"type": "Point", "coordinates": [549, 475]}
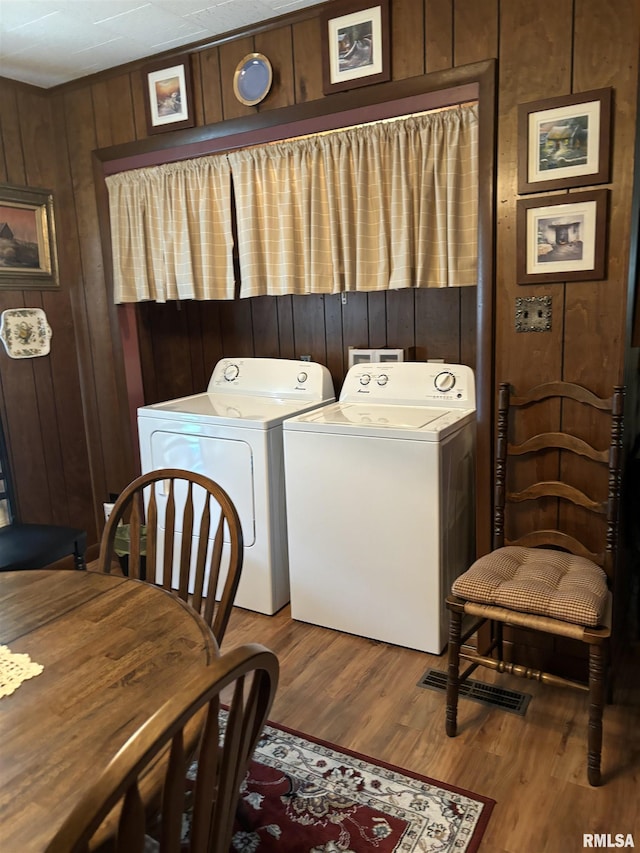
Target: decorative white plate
{"type": "Point", "coordinates": [252, 79]}
{"type": "Point", "coordinates": [25, 332]}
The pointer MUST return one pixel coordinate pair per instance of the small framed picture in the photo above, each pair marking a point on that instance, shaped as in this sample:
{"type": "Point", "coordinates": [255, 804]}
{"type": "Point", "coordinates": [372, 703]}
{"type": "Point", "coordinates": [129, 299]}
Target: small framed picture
{"type": "Point", "coordinates": [169, 95]}
{"type": "Point", "coordinates": [355, 44]}
{"type": "Point", "coordinates": [562, 238]}
{"type": "Point", "coordinates": [564, 142]}
{"type": "Point", "coordinates": [28, 257]}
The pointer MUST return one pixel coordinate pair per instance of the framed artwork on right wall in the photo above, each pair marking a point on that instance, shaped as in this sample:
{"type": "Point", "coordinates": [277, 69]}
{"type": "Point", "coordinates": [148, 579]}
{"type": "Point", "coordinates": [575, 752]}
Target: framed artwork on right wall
{"type": "Point", "coordinates": [564, 142]}
{"type": "Point", "coordinates": [562, 237]}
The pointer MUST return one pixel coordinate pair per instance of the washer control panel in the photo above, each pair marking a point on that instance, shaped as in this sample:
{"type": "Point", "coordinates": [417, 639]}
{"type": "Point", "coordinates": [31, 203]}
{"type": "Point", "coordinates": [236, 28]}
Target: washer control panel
{"type": "Point", "coordinates": [411, 383]}
{"type": "Point", "coordinates": [445, 381]}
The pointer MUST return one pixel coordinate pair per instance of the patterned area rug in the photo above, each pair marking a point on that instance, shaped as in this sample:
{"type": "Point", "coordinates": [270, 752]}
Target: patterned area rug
{"type": "Point", "coordinates": [305, 796]}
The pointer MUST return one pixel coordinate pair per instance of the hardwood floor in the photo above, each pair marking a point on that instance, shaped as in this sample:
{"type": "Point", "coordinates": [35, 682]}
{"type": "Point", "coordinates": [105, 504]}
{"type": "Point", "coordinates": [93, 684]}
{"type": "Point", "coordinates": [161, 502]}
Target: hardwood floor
{"type": "Point", "coordinates": [362, 695]}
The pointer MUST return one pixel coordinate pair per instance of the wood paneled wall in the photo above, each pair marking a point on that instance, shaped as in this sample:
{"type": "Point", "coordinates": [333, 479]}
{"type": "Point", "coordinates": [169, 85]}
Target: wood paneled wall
{"type": "Point", "coordinates": [69, 425]}
{"type": "Point", "coordinates": [182, 342]}
{"type": "Point", "coordinates": [41, 399]}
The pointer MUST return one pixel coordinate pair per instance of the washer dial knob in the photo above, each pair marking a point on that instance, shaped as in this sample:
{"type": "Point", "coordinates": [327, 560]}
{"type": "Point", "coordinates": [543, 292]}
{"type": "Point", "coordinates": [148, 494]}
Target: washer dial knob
{"type": "Point", "coordinates": [302, 377]}
{"type": "Point", "coordinates": [231, 372]}
{"type": "Point", "coordinates": [383, 379]}
{"type": "Point", "coordinates": [365, 379]}
{"type": "Point", "coordinates": [445, 381]}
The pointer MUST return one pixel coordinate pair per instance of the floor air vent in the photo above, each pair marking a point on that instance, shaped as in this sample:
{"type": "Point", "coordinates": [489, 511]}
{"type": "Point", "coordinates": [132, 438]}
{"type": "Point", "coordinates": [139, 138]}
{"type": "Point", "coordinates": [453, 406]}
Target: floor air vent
{"type": "Point", "coordinates": [478, 691]}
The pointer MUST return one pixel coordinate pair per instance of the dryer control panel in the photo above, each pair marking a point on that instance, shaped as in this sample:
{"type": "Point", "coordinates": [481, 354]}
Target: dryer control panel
{"type": "Point", "coordinates": [272, 377]}
{"type": "Point", "coordinates": [411, 383]}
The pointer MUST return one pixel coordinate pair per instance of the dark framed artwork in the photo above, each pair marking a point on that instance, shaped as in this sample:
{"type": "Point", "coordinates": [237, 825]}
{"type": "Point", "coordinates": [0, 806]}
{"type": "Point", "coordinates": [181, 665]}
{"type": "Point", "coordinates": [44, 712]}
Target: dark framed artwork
{"type": "Point", "coordinates": [355, 45]}
{"type": "Point", "coordinates": [169, 96]}
{"type": "Point", "coordinates": [28, 257]}
{"type": "Point", "coordinates": [564, 142]}
{"type": "Point", "coordinates": [562, 238]}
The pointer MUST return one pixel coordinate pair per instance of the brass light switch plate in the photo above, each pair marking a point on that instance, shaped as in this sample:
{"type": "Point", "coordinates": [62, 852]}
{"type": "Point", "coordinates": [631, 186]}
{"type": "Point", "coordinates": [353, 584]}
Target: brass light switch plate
{"type": "Point", "coordinates": [533, 313]}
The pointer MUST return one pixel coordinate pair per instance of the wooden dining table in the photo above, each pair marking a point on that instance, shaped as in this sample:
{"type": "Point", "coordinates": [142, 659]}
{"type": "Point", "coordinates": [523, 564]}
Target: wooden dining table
{"type": "Point", "coordinates": [112, 651]}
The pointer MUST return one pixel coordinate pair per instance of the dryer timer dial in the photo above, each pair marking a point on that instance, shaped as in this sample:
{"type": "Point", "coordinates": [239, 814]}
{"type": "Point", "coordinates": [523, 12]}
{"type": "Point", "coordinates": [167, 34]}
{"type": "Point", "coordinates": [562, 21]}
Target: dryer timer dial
{"type": "Point", "coordinates": [231, 372]}
{"type": "Point", "coordinates": [445, 381]}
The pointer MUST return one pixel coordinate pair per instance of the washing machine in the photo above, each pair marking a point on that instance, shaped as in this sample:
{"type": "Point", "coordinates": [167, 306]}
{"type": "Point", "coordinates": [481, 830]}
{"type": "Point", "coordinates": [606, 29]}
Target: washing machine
{"type": "Point", "coordinates": [381, 502]}
{"type": "Point", "coordinates": [233, 434]}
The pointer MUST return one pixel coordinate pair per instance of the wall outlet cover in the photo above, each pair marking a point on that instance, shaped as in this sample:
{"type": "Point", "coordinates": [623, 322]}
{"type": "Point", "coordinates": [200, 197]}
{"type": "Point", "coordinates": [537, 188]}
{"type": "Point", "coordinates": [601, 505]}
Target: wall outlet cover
{"type": "Point", "coordinates": [357, 355]}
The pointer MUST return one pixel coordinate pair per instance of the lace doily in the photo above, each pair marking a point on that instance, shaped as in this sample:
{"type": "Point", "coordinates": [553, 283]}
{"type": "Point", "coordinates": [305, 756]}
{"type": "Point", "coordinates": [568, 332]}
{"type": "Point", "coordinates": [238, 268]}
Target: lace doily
{"type": "Point", "coordinates": [14, 669]}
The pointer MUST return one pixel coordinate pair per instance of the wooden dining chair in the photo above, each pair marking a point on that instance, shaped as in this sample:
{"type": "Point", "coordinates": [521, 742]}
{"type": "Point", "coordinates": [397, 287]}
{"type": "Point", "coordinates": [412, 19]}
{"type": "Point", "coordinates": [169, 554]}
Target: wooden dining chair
{"type": "Point", "coordinates": [27, 545]}
{"type": "Point", "coordinates": [185, 531]}
{"type": "Point", "coordinates": [555, 536]}
{"type": "Point", "coordinates": [250, 673]}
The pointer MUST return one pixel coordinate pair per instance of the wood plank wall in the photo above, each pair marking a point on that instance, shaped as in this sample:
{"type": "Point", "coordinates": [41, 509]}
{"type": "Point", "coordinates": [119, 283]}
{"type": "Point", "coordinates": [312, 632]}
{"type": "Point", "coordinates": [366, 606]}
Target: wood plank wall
{"type": "Point", "coordinates": [181, 340]}
{"type": "Point", "coordinates": [41, 399]}
{"type": "Point", "coordinates": [586, 343]}
{"type": "Point", "coordinates": [67, 416]}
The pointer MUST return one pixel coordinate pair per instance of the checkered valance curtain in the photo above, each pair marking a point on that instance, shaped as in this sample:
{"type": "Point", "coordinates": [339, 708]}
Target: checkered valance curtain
{"type": "Point", "coordinates": [171, 231]}
{"type": "Point", "coordinates": [386, 205]}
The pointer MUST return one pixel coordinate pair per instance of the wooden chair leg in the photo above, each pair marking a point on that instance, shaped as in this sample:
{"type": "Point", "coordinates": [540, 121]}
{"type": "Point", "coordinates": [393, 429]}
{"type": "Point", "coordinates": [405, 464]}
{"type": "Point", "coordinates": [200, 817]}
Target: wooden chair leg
{"type": "Point", "coordinates": [596, 696]}
{"type": "Point", "coordinates": [453, 672]}
{"type": "Point", "coordinates": [499, 633]}
{"type": "Point", "coordinates": [609, 675]}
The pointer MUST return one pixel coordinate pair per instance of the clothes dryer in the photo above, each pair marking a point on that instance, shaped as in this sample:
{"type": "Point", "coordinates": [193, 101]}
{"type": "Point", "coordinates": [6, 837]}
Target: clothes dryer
{"type": "Point", "coordinates": [381, 502]}
{"type": "Point", "coordinates": [233, 434]}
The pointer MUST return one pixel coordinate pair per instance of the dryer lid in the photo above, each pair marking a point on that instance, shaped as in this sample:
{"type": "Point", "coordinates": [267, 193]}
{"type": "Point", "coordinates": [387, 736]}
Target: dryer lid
{"type": "Point", "coordinates": [241, 410]}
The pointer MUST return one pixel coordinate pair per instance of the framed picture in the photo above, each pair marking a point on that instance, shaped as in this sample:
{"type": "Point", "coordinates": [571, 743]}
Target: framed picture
{"type": "Point", "coordinates": [169, 98]}
{"type": "Point", "coordinates": [355, 44]}
{"type": "Point", "coordinates": [562, 238]}
{"type": "Point", "coordinates": [28, 256]}
{"type": "Point", "coordinates": [564, 142]}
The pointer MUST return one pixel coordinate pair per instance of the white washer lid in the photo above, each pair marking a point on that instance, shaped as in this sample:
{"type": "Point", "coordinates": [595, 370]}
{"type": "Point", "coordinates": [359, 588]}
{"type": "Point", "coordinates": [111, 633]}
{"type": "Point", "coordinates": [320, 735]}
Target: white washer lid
{"type": "Point", "coordinates": [361, 419]}
{"type": "Point", "coordinates": [241, 410]}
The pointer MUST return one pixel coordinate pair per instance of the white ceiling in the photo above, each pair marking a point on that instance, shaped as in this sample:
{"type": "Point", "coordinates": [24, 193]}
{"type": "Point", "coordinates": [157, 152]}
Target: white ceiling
{"type": "Point", "coordinates": [48, 42]}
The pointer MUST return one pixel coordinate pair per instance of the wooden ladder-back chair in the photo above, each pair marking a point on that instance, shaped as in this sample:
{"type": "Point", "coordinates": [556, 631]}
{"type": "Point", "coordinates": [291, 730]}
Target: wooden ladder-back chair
{"type": "Point", "coordinates": [168, 505]}
{"type": "Point", "coordinates": [540, 575]}
{"type": "Point", "coordinates": [251, 674]}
